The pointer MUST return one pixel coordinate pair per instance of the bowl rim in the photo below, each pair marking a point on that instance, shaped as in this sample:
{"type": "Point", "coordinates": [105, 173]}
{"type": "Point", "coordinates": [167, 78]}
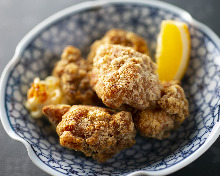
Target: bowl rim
{"type": "Point", "coordinates": [81, 7]}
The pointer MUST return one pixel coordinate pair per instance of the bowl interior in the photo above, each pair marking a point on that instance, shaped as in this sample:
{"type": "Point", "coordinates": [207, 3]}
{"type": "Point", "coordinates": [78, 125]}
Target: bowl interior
{"type": "Point", "coordinates": [201, 85]}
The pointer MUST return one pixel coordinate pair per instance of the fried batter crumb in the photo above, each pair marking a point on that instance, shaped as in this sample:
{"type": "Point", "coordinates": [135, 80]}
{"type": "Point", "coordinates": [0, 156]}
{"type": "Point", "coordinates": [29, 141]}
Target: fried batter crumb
{"type": "Point", "coordinates": [70, 54]}
{"type": "Point", "coordinates": [55, 112]}
{"type": "Point", "coordinates": [170, 111]}
{"type": "Point", "coordinates": [173, 101]}
{"type": "Point", "coordinates": [119, 37]}
{"type": "Point", "coordinates": [73, 73]}
{"type": "Point", "coordinates": [154, 123]}
{"type": "Point", "coordinates": [123, 76]}
{"type": "Point", "coordinates": [97, 132]}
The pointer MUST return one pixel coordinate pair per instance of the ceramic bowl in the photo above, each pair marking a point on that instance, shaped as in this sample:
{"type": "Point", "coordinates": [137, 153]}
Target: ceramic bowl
{"type": "Point", "coordinates": [80, 25]}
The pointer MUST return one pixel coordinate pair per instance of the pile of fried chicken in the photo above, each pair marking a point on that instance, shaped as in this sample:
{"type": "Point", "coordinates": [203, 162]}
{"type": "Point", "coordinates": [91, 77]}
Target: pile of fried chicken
{"type": "Point", "coordinates": [111, 95]}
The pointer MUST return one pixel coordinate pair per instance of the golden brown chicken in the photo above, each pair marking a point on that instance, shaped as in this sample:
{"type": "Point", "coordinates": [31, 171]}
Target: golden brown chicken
{"type": "Point", "coordinates": [154, 123]}
{"type": "Point", "coordinates": [122, 76]}
{"type": "Point", "coordinates": [70, 54]}
{"type": "Point", "coordinates": [171, 110]}
{"type": "Point", "coordinates": [55, 112]}
{"type": "Point", "coordinates": [173, 101]}
{"type": "Point", "coordinates": [72, 70]}
{"type": "Point", "coordinates": [119, 37]}
{"type": "Point", "coordinates": [97, 132]}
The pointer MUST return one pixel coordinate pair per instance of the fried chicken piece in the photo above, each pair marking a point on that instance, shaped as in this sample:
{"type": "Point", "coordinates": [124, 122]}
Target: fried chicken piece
{"type": "Point", "coordinates": [154, 123]}
{"type": "Point", "coordinates": [70, 54]}
{"type": "Point", "coordinates": [55, 112]}
{"type": "Point", "coordinates": [173, 100]}
{"type": "Point", "coordinates": [75, 85]}
{"type": "Point", "coordinates": [119, 37]}
{"type": "Point", "coordinates": [122, 76]}
{"type": "Point", "coordinates": [97, 132]}
{"type": "Point", "coordinates": [74, 81]}
{"type": "Point", "coordinates": [171, 110]}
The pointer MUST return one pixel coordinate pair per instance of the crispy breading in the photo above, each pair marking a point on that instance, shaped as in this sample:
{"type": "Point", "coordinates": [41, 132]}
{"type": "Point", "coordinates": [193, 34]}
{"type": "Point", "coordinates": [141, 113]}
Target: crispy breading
{"type": "Point", "coordinates": [123, 76]}
{"type": "Point", "coordinates": [97, 132]}
{"type": "Point", "coordinates": [73, 73]}
{"type": "Point", "coordinates": [55, 112]}
{"type": "Point", "coordinates": [173, 101]}
{"type": "Point", "coordinates": [119, 37]}
{"type": "Point", "coordinates": [170, 111]}
{"type": "Point", "coordinates": [69, 55]}
{"type": "Point", "coordinates": [154, 123]}
{"type": "Point", "coordinates": [75, 85]}
{"type": "Point", "coordinates": [167, 84]}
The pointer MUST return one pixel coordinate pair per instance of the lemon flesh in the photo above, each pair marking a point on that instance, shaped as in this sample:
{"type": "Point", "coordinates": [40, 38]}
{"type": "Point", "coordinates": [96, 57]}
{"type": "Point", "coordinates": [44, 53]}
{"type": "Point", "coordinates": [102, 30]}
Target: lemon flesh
{"type": "Point", "coordinates": [173, 50]}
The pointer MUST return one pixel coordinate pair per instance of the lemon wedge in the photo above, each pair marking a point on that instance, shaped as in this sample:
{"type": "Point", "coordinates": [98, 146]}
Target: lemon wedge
{"type": "Point", "coordinates": [173, 50]}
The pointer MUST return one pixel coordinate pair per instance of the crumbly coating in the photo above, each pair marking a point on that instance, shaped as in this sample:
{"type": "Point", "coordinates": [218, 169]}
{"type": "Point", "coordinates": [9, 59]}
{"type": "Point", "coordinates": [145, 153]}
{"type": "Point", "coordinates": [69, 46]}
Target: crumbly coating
{"type": "Point", "coordinates": [75, 85]}
{"type": "Point", "coordinates": [173, 101]}
{"type": "Point", "coordinates": [168, 113]}
{"type": "Point", "coordinates": [120, 37]}
{"type": "Point", "coordinates": [69, 55]}
{"type": "Point", "coordinates": [123, 76]}
{"type": "Point", "coordinates": [55, 112]}
{"type": "Point", "coordinates": [73, 73]}
{"type": "Point", "coordinates": [154, 123]}
{"type": "Point", "coordinates": [97, 132]}
{"type": "Point", "coordinates": [166, 84]}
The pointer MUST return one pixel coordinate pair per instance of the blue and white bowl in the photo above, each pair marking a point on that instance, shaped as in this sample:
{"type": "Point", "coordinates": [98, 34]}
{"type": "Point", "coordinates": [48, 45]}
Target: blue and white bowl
{"type": "Point", "coordinates": [80, 25]}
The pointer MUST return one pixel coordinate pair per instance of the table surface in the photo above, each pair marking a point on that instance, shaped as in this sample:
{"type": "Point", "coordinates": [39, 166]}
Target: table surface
{"type": "Point", "coordinates": [19, 17]}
